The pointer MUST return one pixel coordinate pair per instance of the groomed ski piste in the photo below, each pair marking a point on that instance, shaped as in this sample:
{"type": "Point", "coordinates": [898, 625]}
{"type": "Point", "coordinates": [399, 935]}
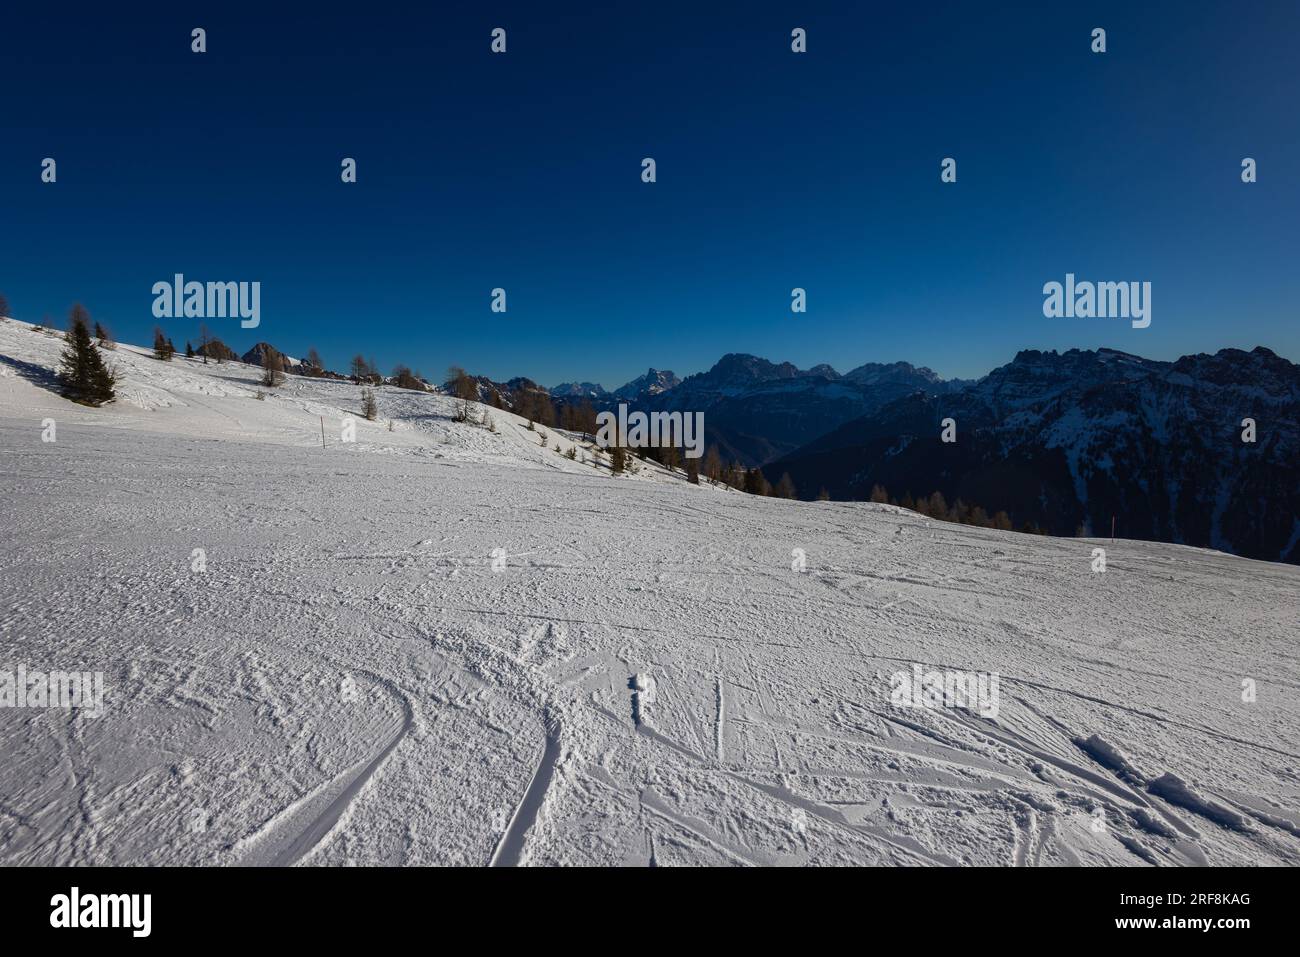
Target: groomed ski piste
{"type": "Point", "coordinates": [442, 644]}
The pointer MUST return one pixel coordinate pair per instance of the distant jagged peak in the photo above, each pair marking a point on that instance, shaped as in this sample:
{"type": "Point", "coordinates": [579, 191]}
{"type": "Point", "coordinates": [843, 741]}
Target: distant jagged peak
{"type": "Point", "coordinates": [873, 372]}
{"type": "Point", "coordinates": [824, 370]}
{"type": "Point", "coordinates": [652, 383]}
{"type": "Point", "coordinates": [742, 365]}
{"type": "Point", "coordinates": [574, 390]}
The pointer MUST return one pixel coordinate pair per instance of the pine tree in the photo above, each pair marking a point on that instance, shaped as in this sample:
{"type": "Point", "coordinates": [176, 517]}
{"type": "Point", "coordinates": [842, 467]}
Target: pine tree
{"type": "Point", "coordinates": [82, 373]}
{"type": "Point", "coordinates": [617, 459]}
{"type": "Point", "coordinates": [823, 496]}
{"type": "Point", "coordinates": [189, 350]}
{"type": "Point", "coordinates": [4, 307]}
{"type": "Point", "coordinates": [785, 487]}
{"type": "Point", "coordinates": [693, 471]}
{"type": "Point", "coordinates": [878, 494]}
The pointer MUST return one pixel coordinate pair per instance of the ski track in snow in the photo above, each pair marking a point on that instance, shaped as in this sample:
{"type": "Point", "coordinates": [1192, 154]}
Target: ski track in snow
{"type": "Point", "coordinates": [510, 851]}
{"type": "Point", "coordinates": [645, 681]}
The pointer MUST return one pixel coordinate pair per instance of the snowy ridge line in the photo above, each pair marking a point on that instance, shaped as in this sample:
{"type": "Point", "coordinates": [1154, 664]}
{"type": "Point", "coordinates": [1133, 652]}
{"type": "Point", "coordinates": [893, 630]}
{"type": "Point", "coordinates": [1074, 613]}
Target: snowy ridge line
{"type": "Point", "coordinates": [217, 401]}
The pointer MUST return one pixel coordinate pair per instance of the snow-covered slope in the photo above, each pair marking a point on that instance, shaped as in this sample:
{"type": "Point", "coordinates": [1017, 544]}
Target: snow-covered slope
{"type": "Point", "coordinates": [185, 397]}
{"type": "Point", "coordinates": [441, 644]}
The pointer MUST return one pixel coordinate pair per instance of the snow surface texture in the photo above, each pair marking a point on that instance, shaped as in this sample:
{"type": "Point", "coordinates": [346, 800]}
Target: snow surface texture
{"type": "Point", "coordinates": [646, 679]}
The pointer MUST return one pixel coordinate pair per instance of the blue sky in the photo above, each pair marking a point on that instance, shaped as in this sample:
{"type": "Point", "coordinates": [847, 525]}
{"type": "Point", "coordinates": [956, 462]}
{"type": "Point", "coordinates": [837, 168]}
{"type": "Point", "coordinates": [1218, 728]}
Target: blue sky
{"type": "Point", "coordinates": [775, 170]}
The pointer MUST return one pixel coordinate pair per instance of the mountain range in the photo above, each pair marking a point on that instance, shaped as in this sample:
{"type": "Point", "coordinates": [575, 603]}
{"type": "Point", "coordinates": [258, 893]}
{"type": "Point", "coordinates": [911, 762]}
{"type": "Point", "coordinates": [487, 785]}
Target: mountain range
{"type": "Point", "coordinates": [757, 410]}
{"type": "Point", "coordinates": [1070, 442]}
{"type": "Point", "coordinates": [1066, 441]}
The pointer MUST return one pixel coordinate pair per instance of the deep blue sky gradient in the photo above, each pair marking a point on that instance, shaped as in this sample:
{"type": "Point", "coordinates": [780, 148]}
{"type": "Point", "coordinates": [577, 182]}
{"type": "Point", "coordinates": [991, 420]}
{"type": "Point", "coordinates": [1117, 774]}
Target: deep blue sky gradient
{"type": "Point", "coordinates": [775, 171]}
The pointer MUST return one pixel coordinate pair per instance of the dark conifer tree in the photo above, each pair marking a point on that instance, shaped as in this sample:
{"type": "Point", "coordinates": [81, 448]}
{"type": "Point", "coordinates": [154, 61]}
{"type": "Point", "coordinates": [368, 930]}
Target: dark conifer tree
{"type": "Point", "coordinates": [82, 373]}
